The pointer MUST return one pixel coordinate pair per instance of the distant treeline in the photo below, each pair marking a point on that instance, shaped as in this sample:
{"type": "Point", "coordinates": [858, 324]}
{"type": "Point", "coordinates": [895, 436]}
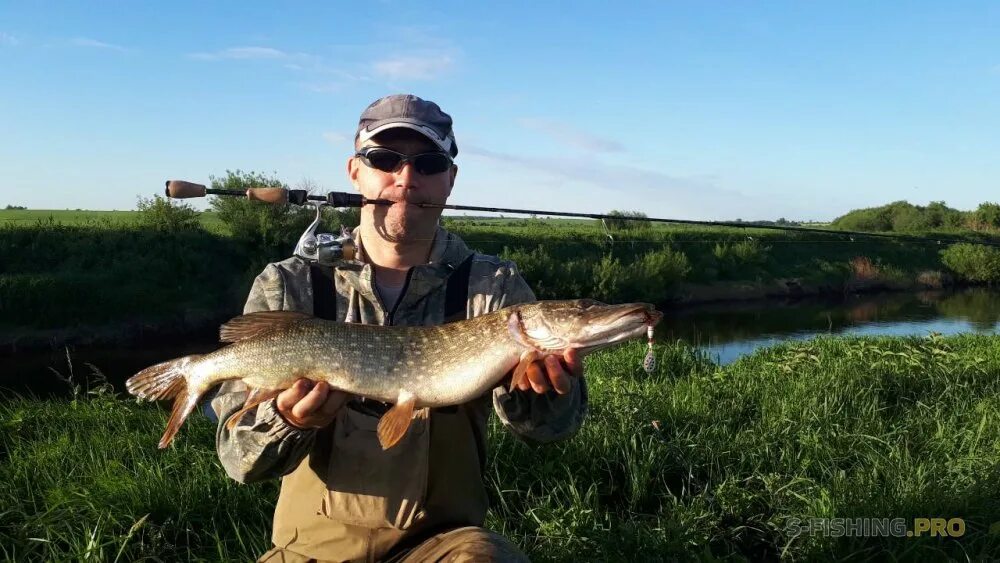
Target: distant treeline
{"type": "Point", "coordinates": [902, 216]}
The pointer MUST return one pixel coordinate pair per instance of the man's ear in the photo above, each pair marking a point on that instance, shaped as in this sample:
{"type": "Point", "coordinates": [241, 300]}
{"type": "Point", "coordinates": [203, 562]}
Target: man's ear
{"type": "Point", "coordinates": [352, 171]}
{"type": "Point", "coordinates": [454, 172]}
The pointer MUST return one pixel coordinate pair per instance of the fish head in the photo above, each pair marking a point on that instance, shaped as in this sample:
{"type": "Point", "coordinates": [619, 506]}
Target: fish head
{"type": "Point", "coordinates": [584, 324]}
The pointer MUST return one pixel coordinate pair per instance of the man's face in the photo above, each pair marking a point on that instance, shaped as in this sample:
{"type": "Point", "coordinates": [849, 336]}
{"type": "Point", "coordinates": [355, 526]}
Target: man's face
{"type": "Point", "coordinates": [406, 186]}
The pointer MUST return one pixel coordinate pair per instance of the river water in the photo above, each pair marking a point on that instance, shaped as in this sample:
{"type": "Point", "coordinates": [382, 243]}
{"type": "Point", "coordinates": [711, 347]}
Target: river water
{"type": "Point", "coordinates": [725, 331]}
{"type": "Point", "coordinates": [729, 331]}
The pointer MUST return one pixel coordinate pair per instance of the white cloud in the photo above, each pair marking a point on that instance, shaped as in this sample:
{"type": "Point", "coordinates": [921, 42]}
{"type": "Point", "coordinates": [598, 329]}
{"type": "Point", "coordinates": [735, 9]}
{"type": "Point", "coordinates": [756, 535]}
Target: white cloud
{"type": "Point", "coordinates": [94, 43]}
{"type": "Point", "coordinates": [571, 135]}
{"type": "Point", "coordinates": [8, 39]}
{"type": "Point", "coordinates": [412, 67]}
{"type": "Point", "coordinates": [248, 53]}
{"type": "Point", "coordinates": [320, 74]}
{"type": "Point", "coordinates": [324, 87]}
{"type": "Point", "coordinates": [334, 138]}
{"type": "Point", "coordinates": [322, 78]}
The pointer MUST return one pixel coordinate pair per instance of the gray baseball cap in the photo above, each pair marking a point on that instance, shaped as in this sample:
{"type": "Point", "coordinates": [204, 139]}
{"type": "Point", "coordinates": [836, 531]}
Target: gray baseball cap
{"type": "Point", "coordinates": [411, 112]}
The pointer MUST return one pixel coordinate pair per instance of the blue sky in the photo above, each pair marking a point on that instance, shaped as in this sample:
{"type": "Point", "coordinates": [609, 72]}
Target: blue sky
{"type": "Point", "coordinates": [700, 110]}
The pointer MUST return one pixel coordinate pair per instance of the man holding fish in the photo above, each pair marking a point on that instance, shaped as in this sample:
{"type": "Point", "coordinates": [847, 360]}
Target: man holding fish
{"type": "Point", "coordinates": [344, 497]}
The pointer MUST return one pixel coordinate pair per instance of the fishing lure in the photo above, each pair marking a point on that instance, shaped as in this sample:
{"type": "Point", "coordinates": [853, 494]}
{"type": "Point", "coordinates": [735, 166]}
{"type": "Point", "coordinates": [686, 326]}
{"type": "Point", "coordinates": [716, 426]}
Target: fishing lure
{"type": "Point", "coordinates": [649, 362]}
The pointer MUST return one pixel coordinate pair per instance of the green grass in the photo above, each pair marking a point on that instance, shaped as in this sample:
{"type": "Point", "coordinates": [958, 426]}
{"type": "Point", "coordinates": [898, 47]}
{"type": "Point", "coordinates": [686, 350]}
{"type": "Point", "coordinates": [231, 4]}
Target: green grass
{"type": "Point", "coordinates": [834, 427]}
{"type": "Point", "coordinates": [83, 217]}
{"type": "Point", "coordinates": [61, 275]}
{"type": "Point", "coordinates": [67, 268]}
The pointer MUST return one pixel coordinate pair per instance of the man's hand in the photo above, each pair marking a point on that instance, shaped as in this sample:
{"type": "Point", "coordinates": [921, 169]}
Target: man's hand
{"type": "Point", "coordinates": [553, 373]}
{"type": "Point", "coordinates": [309, 404]}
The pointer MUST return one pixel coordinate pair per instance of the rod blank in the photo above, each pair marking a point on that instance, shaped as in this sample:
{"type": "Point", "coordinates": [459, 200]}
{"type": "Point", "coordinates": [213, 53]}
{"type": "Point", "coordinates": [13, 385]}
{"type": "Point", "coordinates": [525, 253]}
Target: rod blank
{"type": "Point", "coordinates": [182, 189]}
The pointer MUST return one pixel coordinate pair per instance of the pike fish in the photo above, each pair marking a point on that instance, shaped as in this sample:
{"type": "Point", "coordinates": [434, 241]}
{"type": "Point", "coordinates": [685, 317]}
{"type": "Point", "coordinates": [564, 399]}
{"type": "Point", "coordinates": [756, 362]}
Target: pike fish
{"type": "Point", "coordinates": [411, 367]}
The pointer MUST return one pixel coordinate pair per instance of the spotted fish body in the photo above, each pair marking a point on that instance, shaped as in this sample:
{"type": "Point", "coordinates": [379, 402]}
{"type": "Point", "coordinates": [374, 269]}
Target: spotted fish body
{"type": "Point", "coordinates": [440, 365]}
{"type": "Point", "coordinates": [413, 367]}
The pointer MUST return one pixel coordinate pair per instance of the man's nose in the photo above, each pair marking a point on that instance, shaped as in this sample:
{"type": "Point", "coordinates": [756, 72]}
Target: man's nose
{"type": "Point", "coordinates": [406, 175]}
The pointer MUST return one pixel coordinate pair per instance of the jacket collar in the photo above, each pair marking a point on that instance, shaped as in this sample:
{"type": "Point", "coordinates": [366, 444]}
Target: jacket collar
{"type": "Point", "coordinates": [447, 252]}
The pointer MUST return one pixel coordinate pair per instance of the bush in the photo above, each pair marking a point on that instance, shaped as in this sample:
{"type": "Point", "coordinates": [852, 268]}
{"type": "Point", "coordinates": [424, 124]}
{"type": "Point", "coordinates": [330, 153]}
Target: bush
{"type": "Point", "coordinates": [973, 262]}
{"type": "Point", "coordinates": [627, 221]}
{"type": "Point", "coordinates": [987, 216]}
{"type": "Point", "coordinates": [654, 276]}
{"type": "Point", "coordinates": [273, 227]}
{"type": "Point", "coordinates": [874, 219]}
{"type": "Point", "coordinates": [160, 214]}
{"type": "Point", "coordinates": [740, 260]}
{"type": "Point", "coordinates": [651, 277]}
{"type": "Point", "coordinates": [901, 216]}
{"type": "Point", "coordinates": [549, 277]}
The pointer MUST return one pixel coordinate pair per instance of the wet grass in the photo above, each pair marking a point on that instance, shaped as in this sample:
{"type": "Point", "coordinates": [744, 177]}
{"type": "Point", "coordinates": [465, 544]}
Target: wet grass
{"type": "Point", "coordinates": [694, 461]}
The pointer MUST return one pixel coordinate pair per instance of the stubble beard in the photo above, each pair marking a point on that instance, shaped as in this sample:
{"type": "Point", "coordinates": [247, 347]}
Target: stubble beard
{"type": "Point", "coordinates": [405, 225]}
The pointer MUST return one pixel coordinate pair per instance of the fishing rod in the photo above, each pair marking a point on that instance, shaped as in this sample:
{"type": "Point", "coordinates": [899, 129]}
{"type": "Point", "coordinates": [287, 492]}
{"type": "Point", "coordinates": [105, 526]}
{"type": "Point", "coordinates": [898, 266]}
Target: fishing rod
{"type": "Point", "coordinates": [179, 189]}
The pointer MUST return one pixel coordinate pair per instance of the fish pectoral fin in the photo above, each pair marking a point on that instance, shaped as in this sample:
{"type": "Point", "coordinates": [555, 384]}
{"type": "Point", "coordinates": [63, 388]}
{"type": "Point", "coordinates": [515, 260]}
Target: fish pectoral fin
{"type": "Point", "coordinates": [394, 424]}
{"type": "Point", "coordinates": [253, 324]}
{"type": "Point", "coordinates": [521, 371]}
{"type": "Point", "coordinates": [254, 398]}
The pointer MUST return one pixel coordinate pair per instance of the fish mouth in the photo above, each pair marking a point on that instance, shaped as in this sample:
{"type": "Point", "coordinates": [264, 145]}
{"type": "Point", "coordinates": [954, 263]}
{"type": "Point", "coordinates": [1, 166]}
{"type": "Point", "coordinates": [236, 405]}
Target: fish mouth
{"type": "Point", "coordinates": [622, 322]}
{"type": "Point", "coordinates": [633, 311]}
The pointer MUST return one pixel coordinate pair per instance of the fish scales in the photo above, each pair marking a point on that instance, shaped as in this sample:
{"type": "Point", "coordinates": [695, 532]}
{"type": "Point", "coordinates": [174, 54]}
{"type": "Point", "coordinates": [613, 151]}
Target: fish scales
{"type": "Point", "coordinates": [437, 363]}
{"type": "Point", "coordinates": [413, 366]}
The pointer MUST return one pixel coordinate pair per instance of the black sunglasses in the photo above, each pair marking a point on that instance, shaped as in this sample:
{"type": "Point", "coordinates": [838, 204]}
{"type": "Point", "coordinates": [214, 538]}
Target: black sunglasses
{"type": "Point", "coordinates": [387, 160]}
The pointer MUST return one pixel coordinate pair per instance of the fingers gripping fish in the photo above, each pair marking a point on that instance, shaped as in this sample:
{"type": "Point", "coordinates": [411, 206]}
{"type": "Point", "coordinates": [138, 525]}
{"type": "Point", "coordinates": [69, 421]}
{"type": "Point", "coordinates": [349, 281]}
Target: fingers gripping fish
{"type": "Point", "coordinates": [412, 367]}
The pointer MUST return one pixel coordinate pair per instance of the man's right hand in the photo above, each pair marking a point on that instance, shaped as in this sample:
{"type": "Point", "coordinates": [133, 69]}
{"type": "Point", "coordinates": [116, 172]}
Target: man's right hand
{"type": "Point", "coordinates": [309, 404]}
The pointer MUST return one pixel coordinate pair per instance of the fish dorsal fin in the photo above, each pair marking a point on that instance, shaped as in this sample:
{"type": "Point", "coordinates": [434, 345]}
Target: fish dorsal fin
{"type": "Point", "coordinates": [253, 324]}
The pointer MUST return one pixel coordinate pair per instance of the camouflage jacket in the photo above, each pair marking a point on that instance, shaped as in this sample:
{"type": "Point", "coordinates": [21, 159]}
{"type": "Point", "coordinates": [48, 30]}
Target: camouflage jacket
{"type": "Point", "coordinates": [343, 498]}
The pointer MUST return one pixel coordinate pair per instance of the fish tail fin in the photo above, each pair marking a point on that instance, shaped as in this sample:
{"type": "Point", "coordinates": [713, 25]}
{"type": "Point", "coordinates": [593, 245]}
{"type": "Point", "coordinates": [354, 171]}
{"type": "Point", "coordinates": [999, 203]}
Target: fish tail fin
{"type": "Point", "coordinates": [167, 380]}
{"type": "Point", "coordinates": [185, 402]}
{"type": "Point", "coordinates": [162, 381]}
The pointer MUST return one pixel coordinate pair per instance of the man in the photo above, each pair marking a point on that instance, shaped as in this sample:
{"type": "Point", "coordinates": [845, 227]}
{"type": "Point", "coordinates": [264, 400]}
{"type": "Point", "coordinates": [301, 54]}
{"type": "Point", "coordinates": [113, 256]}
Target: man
{"type": "Point", "coordinates": [342, 497]}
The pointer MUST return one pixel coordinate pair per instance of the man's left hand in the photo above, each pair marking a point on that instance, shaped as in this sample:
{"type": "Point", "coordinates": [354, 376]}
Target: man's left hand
{"type": "Point", "coordinates": [553, 372]}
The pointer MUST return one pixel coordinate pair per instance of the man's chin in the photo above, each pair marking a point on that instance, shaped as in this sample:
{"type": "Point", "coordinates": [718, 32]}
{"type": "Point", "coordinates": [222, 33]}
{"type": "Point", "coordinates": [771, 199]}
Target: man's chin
{"type": "Point", "coordinates": [408, 231]}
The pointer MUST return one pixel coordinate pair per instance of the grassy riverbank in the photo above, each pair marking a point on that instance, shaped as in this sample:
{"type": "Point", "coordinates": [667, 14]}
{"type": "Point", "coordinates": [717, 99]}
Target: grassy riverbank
{"type": "Point", "coordinates": [691, 462]}
{"type": "Point", "coordinates": [68, 269]}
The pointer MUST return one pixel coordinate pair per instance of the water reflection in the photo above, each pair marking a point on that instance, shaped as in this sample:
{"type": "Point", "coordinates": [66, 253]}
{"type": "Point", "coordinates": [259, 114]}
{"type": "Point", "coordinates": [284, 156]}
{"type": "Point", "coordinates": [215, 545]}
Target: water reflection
{"type": "Point", "coordinates": [728, 331]}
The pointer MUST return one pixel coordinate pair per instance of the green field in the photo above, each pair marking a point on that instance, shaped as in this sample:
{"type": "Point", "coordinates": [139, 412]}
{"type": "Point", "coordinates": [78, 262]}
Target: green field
{"type": "Point", "coordinates": [81, 217]}
{"type": "Point", "coordinates": [693, 462]}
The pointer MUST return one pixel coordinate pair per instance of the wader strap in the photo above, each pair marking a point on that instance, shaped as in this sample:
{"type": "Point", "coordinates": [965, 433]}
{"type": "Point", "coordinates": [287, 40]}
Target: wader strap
{"type": "Point", "coordinates": [456, 297]}
{"type": "Point", "coordinates": [324, 292]}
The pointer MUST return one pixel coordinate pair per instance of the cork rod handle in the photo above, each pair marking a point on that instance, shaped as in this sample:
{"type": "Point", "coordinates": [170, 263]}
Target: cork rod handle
{"type": "Point", "coordinates": [179, 189]}
{"type": "Point", "coordinates": [268, 195]}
